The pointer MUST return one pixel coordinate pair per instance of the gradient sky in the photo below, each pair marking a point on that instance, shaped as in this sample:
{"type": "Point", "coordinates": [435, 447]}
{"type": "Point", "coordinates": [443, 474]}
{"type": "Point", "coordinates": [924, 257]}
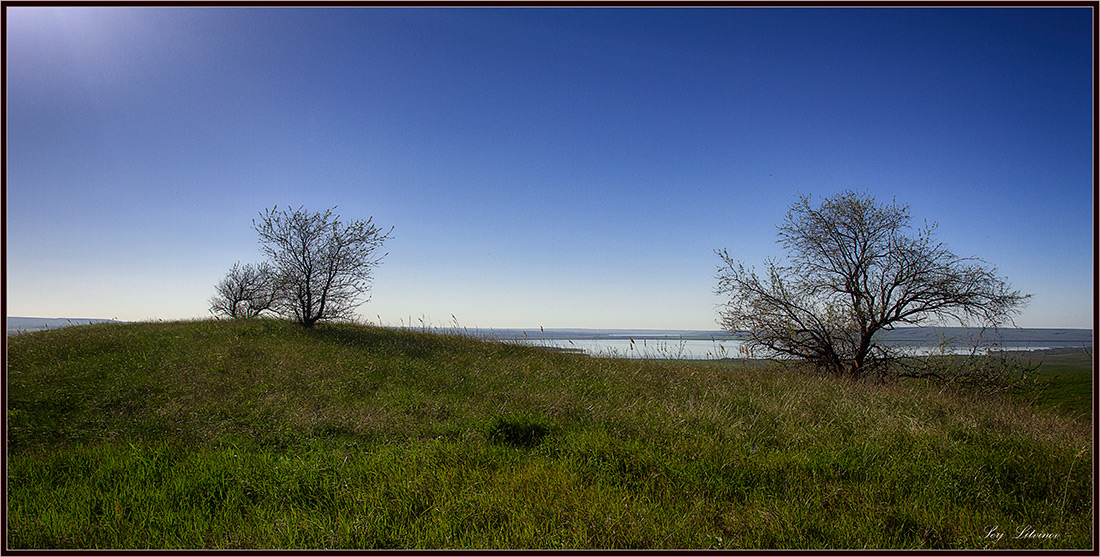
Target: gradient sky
{"type": "Point", "coordinates": [556, 167]}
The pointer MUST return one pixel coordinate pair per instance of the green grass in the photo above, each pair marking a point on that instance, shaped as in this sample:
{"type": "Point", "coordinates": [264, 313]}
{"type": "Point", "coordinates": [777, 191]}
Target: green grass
{"type": "Point", "coordinates": [259, 434]}
{"type": "Point", "coordinates": [1064, 378]}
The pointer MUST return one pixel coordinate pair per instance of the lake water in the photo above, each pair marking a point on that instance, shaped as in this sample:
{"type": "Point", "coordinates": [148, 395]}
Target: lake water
{"type": "Point", "coordinates": [695, 349]}
{"type": "Point", "coordinates": [647, 348]}
{"type": "Point", "coordinates": [713, 344]}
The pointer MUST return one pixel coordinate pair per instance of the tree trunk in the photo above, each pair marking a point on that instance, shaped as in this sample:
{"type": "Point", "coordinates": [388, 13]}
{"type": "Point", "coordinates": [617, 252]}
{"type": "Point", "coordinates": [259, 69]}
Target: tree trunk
{"type": "Point", "coordinates": [860, 357]}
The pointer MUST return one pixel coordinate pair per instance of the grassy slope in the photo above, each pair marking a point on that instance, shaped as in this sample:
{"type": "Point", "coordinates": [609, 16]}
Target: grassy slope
{"type": "Point", "coordinates": [1066, 377]}
{"type": "Point", "coordinates": [257, 434]}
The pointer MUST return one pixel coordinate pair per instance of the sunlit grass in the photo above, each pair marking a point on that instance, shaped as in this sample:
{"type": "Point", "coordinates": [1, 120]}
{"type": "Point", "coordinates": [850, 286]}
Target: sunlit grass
{"type": "Point", "coordinates": [260, 434]}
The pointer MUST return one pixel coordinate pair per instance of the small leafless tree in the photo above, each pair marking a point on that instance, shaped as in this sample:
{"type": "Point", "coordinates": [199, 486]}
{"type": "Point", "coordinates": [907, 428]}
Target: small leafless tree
{"type": "Point", "coordinates": [323, 265]}
{"type": "Point", "coordinates": [245, 292]}
{"type": "Point", "coordinates": [856, 268]}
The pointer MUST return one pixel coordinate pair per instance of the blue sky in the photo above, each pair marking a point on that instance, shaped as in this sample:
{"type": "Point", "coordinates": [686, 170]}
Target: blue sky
{"type": "Point", "coordinates": [554, 167]}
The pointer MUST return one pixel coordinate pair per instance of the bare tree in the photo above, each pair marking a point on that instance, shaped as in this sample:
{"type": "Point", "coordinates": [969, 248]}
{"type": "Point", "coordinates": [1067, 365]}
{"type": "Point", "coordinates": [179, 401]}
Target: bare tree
{"type": "Point", "coordinates": [324, 266]}
{"type": "Point", "coordinates": [855, 269]}
{"type": "Point", "coordinates": [245, 292]}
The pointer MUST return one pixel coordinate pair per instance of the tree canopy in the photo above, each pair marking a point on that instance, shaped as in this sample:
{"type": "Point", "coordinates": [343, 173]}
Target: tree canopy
{"type": "Point", "coordinates": [323, 264]}
{"type": "Point", "coordinates": [246, 291]}
{"type": "Point", "coordinates": [318, 267]}
{"type": "Point", "coordinates": [856, 267]}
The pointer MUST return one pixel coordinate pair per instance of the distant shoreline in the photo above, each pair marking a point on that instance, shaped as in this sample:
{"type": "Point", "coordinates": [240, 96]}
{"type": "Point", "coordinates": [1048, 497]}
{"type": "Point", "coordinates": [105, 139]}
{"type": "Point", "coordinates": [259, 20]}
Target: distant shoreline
{"type": "Point", "coordinates": [16, 325]}
{"type": "Point", "coordinates": [1054, 338]}
{"type": "Point", "coordinates": [1061, 350]}
{"type": "Point", "coordinates": [912, 335]}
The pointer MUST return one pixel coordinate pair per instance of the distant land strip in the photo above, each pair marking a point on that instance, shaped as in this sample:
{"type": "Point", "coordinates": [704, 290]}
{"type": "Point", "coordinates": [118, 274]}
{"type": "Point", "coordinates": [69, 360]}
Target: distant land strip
{"type": "Point", "coordinates": [919, 335]}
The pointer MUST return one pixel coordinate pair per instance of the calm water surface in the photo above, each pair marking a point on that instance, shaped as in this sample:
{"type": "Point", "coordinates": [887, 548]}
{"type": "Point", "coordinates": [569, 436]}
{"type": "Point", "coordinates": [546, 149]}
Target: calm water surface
{"type": "Point", "coordinates": [698, 349]}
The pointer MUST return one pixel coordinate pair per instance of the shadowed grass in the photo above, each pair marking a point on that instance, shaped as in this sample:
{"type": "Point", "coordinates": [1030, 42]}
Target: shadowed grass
{"type": "Point", "coordinates": [260, 434]}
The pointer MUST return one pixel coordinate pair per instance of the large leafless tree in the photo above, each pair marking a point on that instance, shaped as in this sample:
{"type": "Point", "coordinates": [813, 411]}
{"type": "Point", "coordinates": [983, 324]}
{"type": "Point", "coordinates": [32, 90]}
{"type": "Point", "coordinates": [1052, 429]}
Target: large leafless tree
{"type": "Point", "coordinates": [856, 267]}
{"type": "Point", "coordinates": [324, 266]}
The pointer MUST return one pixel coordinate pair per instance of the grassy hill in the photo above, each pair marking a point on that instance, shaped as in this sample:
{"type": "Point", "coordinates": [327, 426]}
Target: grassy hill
{"type": "Point", "coordinates": [259, 434]}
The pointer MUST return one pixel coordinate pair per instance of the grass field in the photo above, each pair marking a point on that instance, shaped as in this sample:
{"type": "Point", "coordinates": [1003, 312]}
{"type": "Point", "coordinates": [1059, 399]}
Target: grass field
{"type": "Point", "coordinates": [1066, 379]}
{"type": "Point", "coordinates": [259, 434]}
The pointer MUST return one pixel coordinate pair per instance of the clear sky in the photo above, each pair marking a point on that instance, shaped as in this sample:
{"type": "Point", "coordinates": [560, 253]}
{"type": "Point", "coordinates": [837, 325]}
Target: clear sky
{"type": "Point", "coordinates": [556, 167]}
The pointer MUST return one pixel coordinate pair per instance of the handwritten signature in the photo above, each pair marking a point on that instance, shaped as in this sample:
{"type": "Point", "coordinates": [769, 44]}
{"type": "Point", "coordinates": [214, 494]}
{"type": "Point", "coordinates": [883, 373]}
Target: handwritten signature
{"type": "Point", "coordinates": [1022, 533]}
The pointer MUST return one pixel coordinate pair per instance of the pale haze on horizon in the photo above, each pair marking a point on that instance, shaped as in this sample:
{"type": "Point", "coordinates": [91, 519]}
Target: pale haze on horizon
{"type": "Point", "coordinates": [557, 167]}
